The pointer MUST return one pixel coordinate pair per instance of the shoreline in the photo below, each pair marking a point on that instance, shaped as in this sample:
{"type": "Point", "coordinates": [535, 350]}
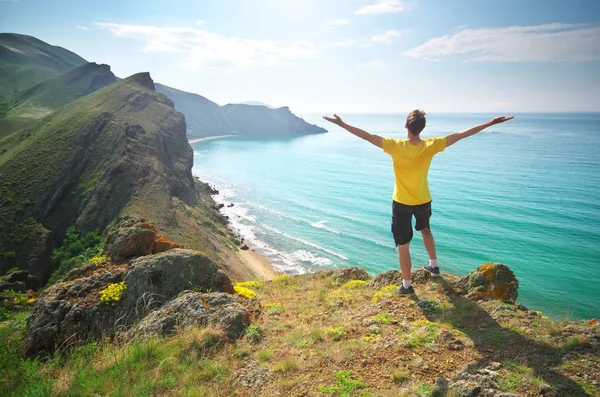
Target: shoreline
{"type": "Point", "coordinates": [208, 138]}
{"type": "Point", "coordinates": [258, 264]}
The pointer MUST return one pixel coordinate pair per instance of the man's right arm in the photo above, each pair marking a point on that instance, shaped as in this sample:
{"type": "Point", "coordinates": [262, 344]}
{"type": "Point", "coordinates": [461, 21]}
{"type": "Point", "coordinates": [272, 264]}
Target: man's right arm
{"type": "Point", "coordinates": [374, 139]}
{"type": "Point", "coordinates": [457, 136]}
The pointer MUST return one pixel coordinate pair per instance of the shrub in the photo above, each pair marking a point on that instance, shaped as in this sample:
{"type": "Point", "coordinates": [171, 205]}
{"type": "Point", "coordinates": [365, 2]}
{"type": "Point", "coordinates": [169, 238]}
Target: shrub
{"type": "Point", "coordinates": [112, 293]}
{"type": "Point", "coordinates": [382, 318]}
{"type": "Point", "coordinates": [75, 251]}
{"type": "Point", "coordinates": [274, 308]}
{"type": "Point", "coordinates": [385, 292]}
{"type": "Point", "coordinates": [284, 278]}
{"type": "Point", "coordinates": [253, 333]}
{"type": "Point", "coordinates": [100, 260]}
{"type": "Point", "coordinates": [335, 333]}
{"type": "Point", "coordinates": [354, 284]}
{"type": "Point", "coordinates": [245, 292]}
{"type": "Point", "coordinates": [250, 284]}
{"type": "Point", "coordinates": [344, 387]}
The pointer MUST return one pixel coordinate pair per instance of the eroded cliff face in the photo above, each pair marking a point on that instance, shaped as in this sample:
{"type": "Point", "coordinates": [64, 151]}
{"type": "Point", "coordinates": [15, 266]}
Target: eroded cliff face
{"type": "Point", "coordinates": [120, 150]}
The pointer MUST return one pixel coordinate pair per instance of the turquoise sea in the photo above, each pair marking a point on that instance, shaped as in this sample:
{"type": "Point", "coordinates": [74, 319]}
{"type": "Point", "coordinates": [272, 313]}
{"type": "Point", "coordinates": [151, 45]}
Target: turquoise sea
{"type": "Point", "coordinates": [524, 193]}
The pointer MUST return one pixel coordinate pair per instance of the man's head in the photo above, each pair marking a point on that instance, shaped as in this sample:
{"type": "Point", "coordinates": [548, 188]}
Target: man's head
{"type": "Point", "coordinates": [415, 122]}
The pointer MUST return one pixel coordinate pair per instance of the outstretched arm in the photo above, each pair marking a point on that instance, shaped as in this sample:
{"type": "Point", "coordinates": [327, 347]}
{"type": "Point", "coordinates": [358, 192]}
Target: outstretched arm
{"type": "Point", "coordinates": [374, 139]}
{"type": "Point", "coordinates": [457, 136]}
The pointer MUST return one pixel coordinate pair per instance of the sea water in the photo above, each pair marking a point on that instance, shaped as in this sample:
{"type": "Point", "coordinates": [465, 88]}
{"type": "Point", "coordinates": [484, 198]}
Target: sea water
{"type": "Point", "coordinates": [524, 193]}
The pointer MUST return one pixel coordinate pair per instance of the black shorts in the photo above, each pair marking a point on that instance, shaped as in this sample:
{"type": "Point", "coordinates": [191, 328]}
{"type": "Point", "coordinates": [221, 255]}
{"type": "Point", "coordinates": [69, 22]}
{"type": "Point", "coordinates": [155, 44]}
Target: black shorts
{"type": "Point", "coordinates": [402, 220]}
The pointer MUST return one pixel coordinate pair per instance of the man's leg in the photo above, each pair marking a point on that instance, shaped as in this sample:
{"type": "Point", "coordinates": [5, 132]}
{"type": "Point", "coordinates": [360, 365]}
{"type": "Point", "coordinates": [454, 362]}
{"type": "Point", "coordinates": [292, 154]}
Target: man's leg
{"type": "Point", "coordinates": [429, 243]}
{"type": "Point", "coordinates": [405, 262]}
{"type": "Point", "coordinates": [422, 214]}
{"type": "Point", "coordinates": [402, 230]}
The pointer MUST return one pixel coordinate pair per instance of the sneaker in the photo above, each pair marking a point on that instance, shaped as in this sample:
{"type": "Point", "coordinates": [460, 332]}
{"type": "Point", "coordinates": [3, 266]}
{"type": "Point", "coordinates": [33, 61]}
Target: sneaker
{"type": "Point", "coordinates": [405, 291]}
{"type": "Point", "coordinates": [434, 271]}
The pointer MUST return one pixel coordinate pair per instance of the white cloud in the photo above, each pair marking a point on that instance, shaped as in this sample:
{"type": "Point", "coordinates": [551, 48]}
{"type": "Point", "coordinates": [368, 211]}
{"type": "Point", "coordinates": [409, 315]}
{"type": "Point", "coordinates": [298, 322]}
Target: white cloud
{"type": "Point", "coordinates": [343, 43]}
{"type": "Point", "coordinates": [387, 37]}
{"type": "Point", "coordinates": [199, 22]}
{"type": "Point", "coordinates": [375, 64]}
{"type": "Point", "coordinates": [383, 7]}
{"type": "Point", "coordinates": [337, 22]}
{"type": "Point", "coordinates": [83, 28]}
{"type": "Point", "coordinates": [203, 50]}
{"type": "Point", "coordinates": [538, 43]}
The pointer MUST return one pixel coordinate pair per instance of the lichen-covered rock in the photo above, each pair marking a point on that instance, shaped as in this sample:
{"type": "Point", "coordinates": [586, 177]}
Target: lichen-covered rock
{"type": "Point", "coordinates": [394, 277]}
{"type": "Point", "coordinates": [477, 383]}
{"type": "Point", "coordinates": [344, 275]}
{"type": "Point", "coordinates": [130, 238]}
{"type": "Point", "coordinates": [490, 281]}
{"type": "Point", "coordinates": [162, 244]}
{"type": "Point", "coordinates": [71, 310]}
{"type": "Point", "coordinates": [223, 311]}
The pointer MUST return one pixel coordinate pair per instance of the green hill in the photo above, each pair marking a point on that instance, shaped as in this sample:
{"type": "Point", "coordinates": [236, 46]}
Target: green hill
{"type": "Point", "coordinates": [55, 92]}
{"type": "Point", "coordinates": [121, 150]}
{"type": "Point", "coordinates": [25, 61]}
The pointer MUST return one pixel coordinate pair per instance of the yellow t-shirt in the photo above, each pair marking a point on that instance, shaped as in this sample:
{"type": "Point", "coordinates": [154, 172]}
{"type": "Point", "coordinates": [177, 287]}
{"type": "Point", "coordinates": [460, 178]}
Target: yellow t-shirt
{"type": "Point", "coordinates": [411, 165]}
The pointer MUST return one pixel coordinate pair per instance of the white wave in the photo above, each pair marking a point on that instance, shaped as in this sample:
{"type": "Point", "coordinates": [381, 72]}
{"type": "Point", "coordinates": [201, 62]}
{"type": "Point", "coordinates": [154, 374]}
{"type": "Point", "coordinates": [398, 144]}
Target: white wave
{"type": "Point", "coordinates": [321, 225]}
{"type": "Point", "coordinates": [306, 256]}
{"type": "Point", "coordinates": [307, 243]}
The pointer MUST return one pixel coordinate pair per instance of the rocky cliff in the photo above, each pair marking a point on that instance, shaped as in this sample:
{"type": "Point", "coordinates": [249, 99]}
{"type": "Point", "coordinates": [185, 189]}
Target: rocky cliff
{"type": "Point", "coordinates": [206, 118]}
{"type": "Point", "coordinates": [119, 151]}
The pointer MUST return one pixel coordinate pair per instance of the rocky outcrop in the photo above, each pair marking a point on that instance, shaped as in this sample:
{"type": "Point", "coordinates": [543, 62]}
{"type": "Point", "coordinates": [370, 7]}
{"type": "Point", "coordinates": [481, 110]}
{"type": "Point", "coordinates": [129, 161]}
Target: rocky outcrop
{"type": "Point", "coordinates": [189, 309]}
{"type": "Point", "coordinates": [260, 120]}
{"type": "Point", "coordinates": [71, 310]}
{"type": "Point", "coordinates": [20, 281]}
{"type": "Point", "coordinates": [133, 238]}
{"type": "Point", "coordinates": [344, 275]}
{"type": "Point", "coordinates": [490, 281]}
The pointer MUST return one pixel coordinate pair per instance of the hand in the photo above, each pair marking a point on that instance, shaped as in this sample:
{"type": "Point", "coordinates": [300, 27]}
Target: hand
{"type": "Point", "coordinates": [501, 119]}
{"type": "Point", "coordinates": [335, 119]}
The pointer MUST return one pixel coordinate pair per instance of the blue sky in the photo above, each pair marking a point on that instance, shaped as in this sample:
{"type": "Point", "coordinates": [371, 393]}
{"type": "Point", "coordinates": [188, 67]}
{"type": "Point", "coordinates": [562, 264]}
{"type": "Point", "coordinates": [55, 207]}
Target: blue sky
{"type": "Point", "coordinates": [341, 55]}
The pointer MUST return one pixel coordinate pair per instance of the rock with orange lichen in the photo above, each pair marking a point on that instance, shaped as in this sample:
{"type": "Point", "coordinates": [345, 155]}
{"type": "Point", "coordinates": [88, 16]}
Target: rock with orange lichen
{"type": "Point", "coordinates": [491, 281]}
{"type": "Point", "coordinates": [162, 244]}
{"type": "Point", "coordinates": [130, 238]}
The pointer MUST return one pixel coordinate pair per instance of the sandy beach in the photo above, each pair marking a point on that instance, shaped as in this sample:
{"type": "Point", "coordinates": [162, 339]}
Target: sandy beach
{"type": "Point", "coordinates": [258, 265]}
{"type": "Point", "coordinates": [208, 138]}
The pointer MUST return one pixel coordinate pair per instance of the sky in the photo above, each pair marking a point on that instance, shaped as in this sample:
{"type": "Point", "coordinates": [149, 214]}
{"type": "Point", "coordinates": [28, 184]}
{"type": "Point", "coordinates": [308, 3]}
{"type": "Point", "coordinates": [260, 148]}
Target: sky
{"type": "Point", "coordinates": [343, 56]}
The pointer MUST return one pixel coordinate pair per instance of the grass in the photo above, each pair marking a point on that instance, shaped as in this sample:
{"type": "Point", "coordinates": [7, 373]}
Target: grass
{"type": "Point", "coordinates": [298, 351]}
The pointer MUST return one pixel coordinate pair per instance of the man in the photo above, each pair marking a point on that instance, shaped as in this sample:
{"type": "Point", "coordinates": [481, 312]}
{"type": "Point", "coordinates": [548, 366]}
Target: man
{"type": "Point", "coordinates": [411, 159]}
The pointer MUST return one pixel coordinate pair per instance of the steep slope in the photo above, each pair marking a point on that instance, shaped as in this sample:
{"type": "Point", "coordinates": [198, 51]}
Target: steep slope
{"type": "Point", "coordinates": [53, 93]}
{"type": "Point", "coordinates": [260, 120]}
{"type": "Point", "coordinates": [203, 116]}
{"type": "Point", "coordinates": [25, 61]}
{"type": "Point", "coordinates": [121, 150]}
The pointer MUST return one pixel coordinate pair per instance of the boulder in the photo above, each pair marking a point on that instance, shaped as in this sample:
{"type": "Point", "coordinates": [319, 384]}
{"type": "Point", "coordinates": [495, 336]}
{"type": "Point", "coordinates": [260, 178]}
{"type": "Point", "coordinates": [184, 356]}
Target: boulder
{"type": "Point", "coordinates": [30, 281]}
{"type": "Point", "coordinates": [162, 244]}
{"type": "Point", "coordinates": [220, 310]}
{"type": "Point", "coordinates": [394, 277]}
{"type": "Point", "coordinates": [490, 281]}
{"type": "Point", "coordinates": [130, 238]}
{"type": "Point", "coordinates": [71, 311]}
{"type": "Point", "coordinates": [344, 275]}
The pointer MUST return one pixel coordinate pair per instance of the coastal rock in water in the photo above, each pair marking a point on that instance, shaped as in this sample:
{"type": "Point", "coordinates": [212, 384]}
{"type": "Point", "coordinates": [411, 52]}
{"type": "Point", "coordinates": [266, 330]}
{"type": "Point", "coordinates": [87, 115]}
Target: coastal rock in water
{"type": "Point", "coordinates": [492, 281]}
{"type": "Point", "coordinates": [71, 311]}
{"type": "Point", "coordinates": [223, 311]}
